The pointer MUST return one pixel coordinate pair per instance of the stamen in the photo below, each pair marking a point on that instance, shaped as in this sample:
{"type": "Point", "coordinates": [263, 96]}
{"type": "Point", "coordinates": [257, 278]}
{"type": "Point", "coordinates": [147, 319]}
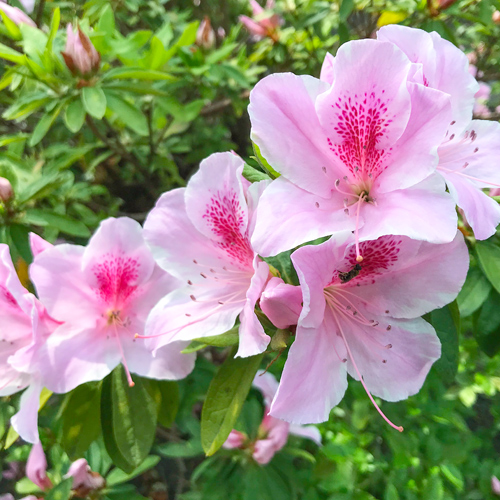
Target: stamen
{"type": "Point", "coordinates": [398, 428]}
{"type": "Point", "coordinates": [359, 257]}
{"type": "Point", "coordinates": [469, 176]}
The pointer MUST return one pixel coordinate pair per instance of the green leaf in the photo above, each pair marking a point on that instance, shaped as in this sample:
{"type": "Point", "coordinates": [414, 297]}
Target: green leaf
{"type": "Point", "coordinates": [94, 101]}
{"type": "Point", "coordinates": [263, 162]}
{"type": "Point", "coordinates": [61, 222]}
{"type": "Point", "coordinates": [489, 257]}
{"type": "Point", "coordinates": [106, 22]}
{"type": "Point", "coordinates": [128, 114]}
{"type": "Point", "coordinates": [391, 492]}
{"type": "Point", "coordinates": [474, 292]}
{"type": "Point", "coordinates": [81, 421]}
{"type": "Point", "coordinates": [74, 116]}
{"type": "Point", "coordinates": [44, 125]}
{"type": "Point", "coordinates": [487, 325]}
{"type": "Point", "coordinates": [20, 238]}
{"type": "Point", "coordinates": [25, 106]}
{"type": "Point", "coordinates": [136, 74]}
{"type": "Point", "coordinates": [117, 476]}
{"type": "Point", "coordinates": [453, 474]}
{"type": "Point", "coordinates": [169, 405]}
{"type": "Point", "coordinates": [226, 394]}
{"type": "Point", "coordinates": [12, 27]}
{"type": "Point", "coordinates": [446, 322]}
{"type": "Point", "coordinates": [128, 416]}
{"type": "Point", "coordinates": [253, 175]}
{"type": "Point", "coordinates": [11, 55]}
{"type": "Point", "coordinates": [61, 492]}
{"type": "Point", "coordinates": [346, 8]}
{"type": "Point", "coordinates": [186, 449]}
{"type": "Point", "coordinates": [229, 338]}
{"type": "Point", "coordinates": [283, 264]}
{"type": "Point", "coordinates": [54, 26]}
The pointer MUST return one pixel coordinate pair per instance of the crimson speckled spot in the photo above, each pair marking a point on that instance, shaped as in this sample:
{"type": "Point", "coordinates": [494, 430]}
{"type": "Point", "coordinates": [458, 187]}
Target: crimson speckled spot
{"type": "Point", "coordinates": [8, 297]}
{"type": "Point", "coordinates": [361, 122]}
{"type": "Point", "coordinates": [225, 217]}
{"type": "Point", "coordinates": [378, 257]}
{"type": "Point", "coordinates": [116, 276]}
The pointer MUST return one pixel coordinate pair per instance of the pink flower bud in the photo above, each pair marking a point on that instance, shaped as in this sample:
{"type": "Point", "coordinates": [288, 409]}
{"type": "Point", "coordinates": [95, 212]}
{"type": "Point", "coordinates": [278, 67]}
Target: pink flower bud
{"type": "Point", "coordinates": [496, 17]}
{"type": "Point", "coordinates": [80, 56]}
{"type": "Point", "coordinates": [84, 479]}
{"type": "Point", "coordinates": [6, 191]}
{"type": "Point", "coordinates": [264, 22]}
{"type": "Point", "coordinates": [205, 36]}
{"type": "Point", "coordinates": [16, 15]}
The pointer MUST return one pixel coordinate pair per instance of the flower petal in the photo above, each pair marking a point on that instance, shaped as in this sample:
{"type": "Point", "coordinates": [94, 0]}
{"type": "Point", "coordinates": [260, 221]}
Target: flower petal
{"type": "Point", "coordinates": [423, 212]}
{"type": "Point", "coordinates": [287, 130]}
{"type": "Point", "coordinates": [253, 339]}
{"type": "Point", "coordinates": [306, 431]}
{"type": "Point", "coordinates": [288, 216]}
{"type": "Point", "coordinates": [314, 378]}
{"type": "Point", "coordinates": [281, 303]}
{"type": "Point", "coordinates": [25, 421]}
{"type": "Point", "coordinates": [327, 74]}
{"type": "Point", "coordinates": [396, 372]}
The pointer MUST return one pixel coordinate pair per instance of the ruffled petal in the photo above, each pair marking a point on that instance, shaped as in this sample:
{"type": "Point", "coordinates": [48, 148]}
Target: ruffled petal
{"type": "Point", "coordinates": [281, 303]}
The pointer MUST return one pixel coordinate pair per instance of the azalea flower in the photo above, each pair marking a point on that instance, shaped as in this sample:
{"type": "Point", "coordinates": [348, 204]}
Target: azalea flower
{"type": "Point", "coordinates": [16, 15]}
{"type": "Point", "coordinates": [363, 320]}
{"type": "Point", "coordinates": [25, 327]}
{"type": "Point", "coordinates": [205, 36]}
{"type": "Point", "coordinates": [103, 293]}
{"type": "Point", "coordinates": [263, 23]}
{"type": "Point", "coordinates": [201, 235]}
{"type": "Point", "coordinates": [80, 55]}
{"type": "Point", "coordinates": [356, 153]}
{"type": "Point", "coordinates": [36, 467]}
{"type": "Point", "coordinates": [468, 156]}
{"type": "Point", "coordinates": [273, 433]}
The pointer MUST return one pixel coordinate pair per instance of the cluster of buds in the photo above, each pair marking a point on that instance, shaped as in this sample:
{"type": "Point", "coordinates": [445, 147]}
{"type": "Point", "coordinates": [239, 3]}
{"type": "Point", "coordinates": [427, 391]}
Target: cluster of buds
{"type": "Point", "coordinates": [81, 57]}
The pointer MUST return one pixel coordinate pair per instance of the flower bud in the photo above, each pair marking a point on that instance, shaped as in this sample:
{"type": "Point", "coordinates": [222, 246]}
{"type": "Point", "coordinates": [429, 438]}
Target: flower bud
{"type": "Point", "coordinates": [205, 36]}
{"type": "Point", "coordinates": [84, 479]}
{"type": "Point", "coordinates": [6, 191]}
{"type": "Point", "coordinates": [495, 485]}
{"type": "Point", "coordinates": [444, 4]}
{"type": "Point", "coordinates": [496, 17]}
{"type": "Point", "coordinates": [16, 15]}
{"type": "Point", "coordinates": [80, 56]}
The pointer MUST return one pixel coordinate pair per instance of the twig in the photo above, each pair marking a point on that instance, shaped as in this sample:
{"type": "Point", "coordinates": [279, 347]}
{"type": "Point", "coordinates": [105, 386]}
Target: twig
{"type": "Point", "coordinates": [215, 107]}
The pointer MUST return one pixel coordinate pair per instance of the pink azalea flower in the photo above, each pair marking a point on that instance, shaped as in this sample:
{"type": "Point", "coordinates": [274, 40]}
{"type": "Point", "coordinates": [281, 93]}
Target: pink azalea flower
{"type": "Point", "coordinates": [281, 303]}
{"type": "Point", "coordinates": [355, 154]}
{"type": "Point", "coordinates": [36, 467]}
{"type": "Point", "coordinates": [25, 327]}
{"type": "Point", "coordinates": [263, 22]}
{"type": "Point", "coordinates": [201, 235]}
{"type": "Point", "coordinates": [205, 36]}
{"type": "Point", "coordinates": [80, 55]}
{"type": "Point", "coordinates": [273, 433]}
{"type": "Point", "coordinates": [16, 15]}
{"type": "Point", "coordinates": [84, 479]}
{"type": "Point", "coordinates": [468, 156]}
{"type": "Point", "coordinates": [28, 5]}
{"type": "Point", "coordinates": [104, 293]}
{"type": "Point", "coordinates": [363, 320]}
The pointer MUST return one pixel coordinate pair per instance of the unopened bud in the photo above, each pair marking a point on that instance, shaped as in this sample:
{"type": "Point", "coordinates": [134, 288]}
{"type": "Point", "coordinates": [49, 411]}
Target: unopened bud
{"type": "Point", "coordinates": [205, 36]}
{"type": "Point", "coordinates": [80, 56]}
{"type": "Point", "coordinates": [16, 15]}
{"type": "Point", "coordinates": [496, 17]}
{"type": "Point", "coordinates": [6, 191]}
{"type": "Point", "coordinates": [444, 4]}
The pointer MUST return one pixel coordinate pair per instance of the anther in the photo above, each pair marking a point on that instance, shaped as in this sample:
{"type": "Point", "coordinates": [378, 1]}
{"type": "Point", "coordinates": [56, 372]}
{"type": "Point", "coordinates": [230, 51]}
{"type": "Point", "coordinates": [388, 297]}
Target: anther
{"type": "Point", "coordinates": [346, 211]}
{"type": "Point", "coordinates": [324, 169]}
{"type": "Point", "coordinates": [190, 282]}
{"type": "Point", "coordinates": [188, 315]}
{"type": "Point", "coordinates": [388, 346]}
{"type": "Point", "coordinates": [193, 298]}
{"type": "Point", "coordinates": [337, 182]}
{"type": "Point", "coordinates": [195, 261]}
{"type": "Point", "coordinates": [384, 361]}
{"type": "Point", "coordinates": [387, 311]}
{"type": "Point", "coordinates": [221, 303]}
{"type": "Point", "coordinates": [317, 205]}
{"type": "Point", "coordinates": [203, 275]}
{"type": "Point", "coordinates": [388, 327]}
{"type": "Point", "coordinates": [344, 360]}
